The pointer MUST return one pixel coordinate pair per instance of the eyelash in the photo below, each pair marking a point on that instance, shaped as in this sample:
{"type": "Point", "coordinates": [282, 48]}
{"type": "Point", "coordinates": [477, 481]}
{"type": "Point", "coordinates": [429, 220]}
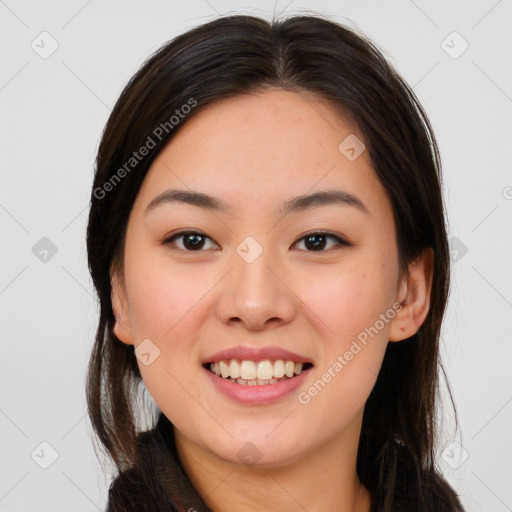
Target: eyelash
{"type": "Point", "coordinates": [180, 234]}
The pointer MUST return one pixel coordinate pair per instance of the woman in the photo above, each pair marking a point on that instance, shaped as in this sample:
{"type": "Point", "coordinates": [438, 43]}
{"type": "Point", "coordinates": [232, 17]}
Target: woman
{"type": "Point", "coordinates": [267, 240]}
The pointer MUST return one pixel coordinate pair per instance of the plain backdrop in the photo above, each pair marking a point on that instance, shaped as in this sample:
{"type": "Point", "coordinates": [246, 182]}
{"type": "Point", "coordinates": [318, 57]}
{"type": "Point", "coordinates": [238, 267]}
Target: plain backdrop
{"type": "Point", "coordinates": [64, 64]}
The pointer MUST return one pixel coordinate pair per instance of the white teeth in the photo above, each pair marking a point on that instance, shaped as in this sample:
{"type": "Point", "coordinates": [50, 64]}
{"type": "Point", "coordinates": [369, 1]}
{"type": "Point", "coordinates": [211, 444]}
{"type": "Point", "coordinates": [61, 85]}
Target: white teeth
{"type": "Point", "coordinates": [264, 370]}
{"type": "Point", "coordinates": [224, 369]}
{"type": "Point", "coordinates": [289, 368]}
{"type": "Point", "coordinates": [247, 372]}
{"type": "Point", "coordinates": [234, 369]}
{"type": "Point", "coordinates": [256, 381]}
{"type": "Point", "coordinates": [279, 369]}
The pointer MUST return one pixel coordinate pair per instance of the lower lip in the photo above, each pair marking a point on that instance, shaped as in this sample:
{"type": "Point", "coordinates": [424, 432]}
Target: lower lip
{"type": "Point", "coordinates": [256, 394]}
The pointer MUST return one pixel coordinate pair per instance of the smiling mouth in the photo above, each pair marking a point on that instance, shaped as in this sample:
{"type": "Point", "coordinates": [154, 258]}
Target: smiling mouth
{"type": "Point", "coordinates": [257, 373]}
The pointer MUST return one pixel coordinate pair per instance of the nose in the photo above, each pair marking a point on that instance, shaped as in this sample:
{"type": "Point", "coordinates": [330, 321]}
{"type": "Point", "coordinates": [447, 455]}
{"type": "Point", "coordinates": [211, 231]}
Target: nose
{"type": "Point", "coordinates": [257, 295]}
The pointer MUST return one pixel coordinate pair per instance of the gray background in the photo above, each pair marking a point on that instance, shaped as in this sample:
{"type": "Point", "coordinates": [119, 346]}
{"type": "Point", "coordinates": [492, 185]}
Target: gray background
{"type": "Point", "coordinates": [52, 112]}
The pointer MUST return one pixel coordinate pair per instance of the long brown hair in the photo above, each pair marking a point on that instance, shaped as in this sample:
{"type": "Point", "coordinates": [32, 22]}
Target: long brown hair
{"type": "Point", "coordinates": [239, 54]}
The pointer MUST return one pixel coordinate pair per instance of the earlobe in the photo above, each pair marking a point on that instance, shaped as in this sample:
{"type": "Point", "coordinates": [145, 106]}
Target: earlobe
{"type": "Point", "coordinates": [122, 327]}
{"type": "Point", "coordinates": [414, 297]}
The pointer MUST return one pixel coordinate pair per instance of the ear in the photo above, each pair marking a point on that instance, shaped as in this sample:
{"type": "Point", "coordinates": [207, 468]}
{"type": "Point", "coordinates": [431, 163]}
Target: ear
{"type": "Point", "coordinates": [122, 326]}
{"type": "Point", "coordinates": [414, 297]}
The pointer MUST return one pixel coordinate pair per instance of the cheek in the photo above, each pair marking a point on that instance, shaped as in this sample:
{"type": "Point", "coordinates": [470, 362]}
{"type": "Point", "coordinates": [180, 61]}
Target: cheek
{"type": "Point", "coordinates": [162, 295]}
{"type": "Point", "coordinates": [351, 299]}
{"type": "Point", "coordinates": [350, 304]}
{"type": "Point", "coordinates": [163, 303]}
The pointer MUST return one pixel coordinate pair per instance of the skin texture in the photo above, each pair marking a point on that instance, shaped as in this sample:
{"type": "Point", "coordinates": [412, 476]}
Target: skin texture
{"type": "Point", "coordinates": [255, 152]}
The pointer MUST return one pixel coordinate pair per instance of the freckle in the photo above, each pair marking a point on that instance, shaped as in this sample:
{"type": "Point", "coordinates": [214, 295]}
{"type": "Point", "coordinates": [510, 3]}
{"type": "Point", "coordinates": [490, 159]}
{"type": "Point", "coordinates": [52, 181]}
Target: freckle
{"type": "Point", "coordinates": [403, 328]}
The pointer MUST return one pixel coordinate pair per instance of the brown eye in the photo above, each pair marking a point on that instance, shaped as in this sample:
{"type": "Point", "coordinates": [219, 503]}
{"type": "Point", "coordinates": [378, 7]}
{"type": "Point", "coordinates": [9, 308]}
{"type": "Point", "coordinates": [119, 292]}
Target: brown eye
{"type": "Point", "coordinates": [192, 240]}
{"type": "Point", "coordinates": [317, 241]}
{"type": "Point", "coordinates": [195, 241]}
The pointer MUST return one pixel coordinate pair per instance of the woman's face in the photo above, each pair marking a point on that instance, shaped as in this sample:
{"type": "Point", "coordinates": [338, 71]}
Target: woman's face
{"type": "Point", "coordinates": [253, 279]}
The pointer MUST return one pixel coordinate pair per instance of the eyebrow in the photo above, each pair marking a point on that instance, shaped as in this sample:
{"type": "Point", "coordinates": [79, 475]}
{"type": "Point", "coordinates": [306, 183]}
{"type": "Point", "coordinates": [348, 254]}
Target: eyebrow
{"type": "Point", "coordinates": [298, 203]}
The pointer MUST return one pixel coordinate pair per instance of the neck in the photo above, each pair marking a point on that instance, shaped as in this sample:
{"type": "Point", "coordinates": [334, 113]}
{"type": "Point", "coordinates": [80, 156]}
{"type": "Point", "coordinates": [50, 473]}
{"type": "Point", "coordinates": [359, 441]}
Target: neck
{"type": "Point", "coordinates": [325, 479]}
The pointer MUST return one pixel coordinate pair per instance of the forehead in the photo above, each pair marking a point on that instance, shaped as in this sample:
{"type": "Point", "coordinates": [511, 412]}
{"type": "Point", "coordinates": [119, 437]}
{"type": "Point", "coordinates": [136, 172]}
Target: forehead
{"type": "Point", "coordinates": [261, 149]}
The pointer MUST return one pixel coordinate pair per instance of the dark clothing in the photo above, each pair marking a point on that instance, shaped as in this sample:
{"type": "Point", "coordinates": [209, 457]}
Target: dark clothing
{"type": "Point", "coordinates": [166, 487]}
{"type": "Point", "coordinates": [158, 482]}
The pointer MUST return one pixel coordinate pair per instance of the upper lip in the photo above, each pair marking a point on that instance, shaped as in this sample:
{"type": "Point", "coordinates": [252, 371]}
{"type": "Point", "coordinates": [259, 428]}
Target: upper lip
{"type": "Point", "coordinates": [256, 354]}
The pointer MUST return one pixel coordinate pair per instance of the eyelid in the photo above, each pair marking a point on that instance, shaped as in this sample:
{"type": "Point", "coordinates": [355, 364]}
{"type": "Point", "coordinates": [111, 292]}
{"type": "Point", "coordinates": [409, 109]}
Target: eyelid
{"type": "Point", "coordinates": [342, 242]}
{"type": "Point", "coordinates": [170, 238]}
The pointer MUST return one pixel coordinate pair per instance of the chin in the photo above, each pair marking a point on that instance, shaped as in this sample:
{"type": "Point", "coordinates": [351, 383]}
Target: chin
{"type": "Point", "coordinates": [257, 451]}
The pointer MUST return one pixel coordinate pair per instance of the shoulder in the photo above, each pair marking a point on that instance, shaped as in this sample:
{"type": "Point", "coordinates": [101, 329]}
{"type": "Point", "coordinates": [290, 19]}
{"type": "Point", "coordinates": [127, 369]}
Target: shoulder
{"type": "Point", "coordinates": [137, 489]}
